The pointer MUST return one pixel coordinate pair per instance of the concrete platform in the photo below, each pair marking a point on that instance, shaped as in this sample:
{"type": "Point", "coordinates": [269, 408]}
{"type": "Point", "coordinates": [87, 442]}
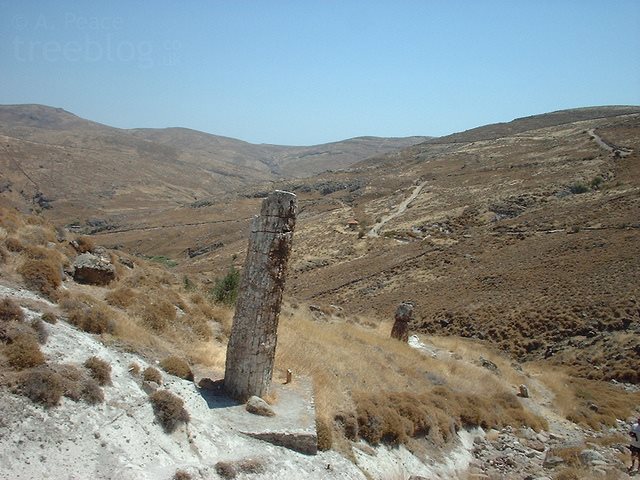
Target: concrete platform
{"type": "Point", "coordinates": [294, 423]}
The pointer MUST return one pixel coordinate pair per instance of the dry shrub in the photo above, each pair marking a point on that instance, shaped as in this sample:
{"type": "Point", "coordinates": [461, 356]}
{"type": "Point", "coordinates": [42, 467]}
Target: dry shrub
{"type": "Point", "coordinates": [177, 366]}
{"type": "Point", "coordinates": [10, 311]}
{"type": "Point", "coordinates": [99, 369]}
{"type": "Point", "coordinates": [42, 385]}
{"type": "Point", "coordinates": [40, 329]}
{"type": "Point", "coordinates": [120, 297]}
{"type": "Point", "coordinates": [157, 316]}
{"type": "Point", "coordinates": [226, 470]}
{"type": "Point", "coordinates": [10, 220]}
{"type": "Point", "coordinates": [13, 244]}
{"type": "Point", "coordinates": [24, 352]}
{"type": "Point", "coordinates": [198, 325]}
{"type": "Point", "coordinates": [85, 244]}
{"type": "Point", "coordinates": [182, 475]}
{"type": "Point", "coordinates": [50, 318]}
{"type": "Point", "coordinates": [231, 469]}
{"type": "Point", "coordinates": [78, 386]}
{"type": "Point", "coordinates": [43, 275]}
{"type": "Point", "coordinates": [36, 234]}
{"type": "Point", "coordinates": [36, 252]}
{"type": "Point", "coordinates": [134, 369]}
{"type": "Point", "coordinates": [168, 409]}
{"type": "Point", "coordinates": [89, 315]}
{"type": "Point", "coordinates": [324, 433]}
{"type": "Point", "coordinates": [151, 374]}
{"type": "Point", "coordinates": [3, 255]}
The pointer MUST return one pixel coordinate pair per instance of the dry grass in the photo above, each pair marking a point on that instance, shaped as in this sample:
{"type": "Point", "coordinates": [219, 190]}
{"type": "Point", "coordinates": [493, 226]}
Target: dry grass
{"type": "Point", "coordinates": [587, 402]}
{"type": "Point", "coordinates": [99, 369]}
{"type": "Point", "coordinates": [88, 314]}
{"type": "Point", "coordinates": [325, 434]}
{"type": "Point", "coordinates": [3, 255]}
{"type": "Point", "coordinates": [121, 297]}
{"type": "Point", "coordinates": [157, 315]}
{"type": "Point", "coordinates": [43, 275]}
{"type": "Point", "coordinates": [169, 410]}
{"type": "Point", "coordinates": [385, 391]}
{"type": "Point", "coordinates": [85, 244]}
{"type": "Point", "coordinates": [37, 234]}
{"type": "Point", "coordinates": [177, 366]}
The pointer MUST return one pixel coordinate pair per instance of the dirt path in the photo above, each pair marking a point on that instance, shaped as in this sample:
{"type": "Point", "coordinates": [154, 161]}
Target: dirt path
{"type": "Point", "coordinates": [618, 151]}
{"type": "Point", "coordinates": [375, 230]}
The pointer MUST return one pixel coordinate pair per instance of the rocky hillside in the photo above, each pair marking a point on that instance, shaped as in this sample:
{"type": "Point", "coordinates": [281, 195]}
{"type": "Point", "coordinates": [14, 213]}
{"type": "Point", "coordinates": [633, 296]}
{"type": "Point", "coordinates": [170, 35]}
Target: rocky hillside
{"type": "Point", "coordinates": [115, 377]}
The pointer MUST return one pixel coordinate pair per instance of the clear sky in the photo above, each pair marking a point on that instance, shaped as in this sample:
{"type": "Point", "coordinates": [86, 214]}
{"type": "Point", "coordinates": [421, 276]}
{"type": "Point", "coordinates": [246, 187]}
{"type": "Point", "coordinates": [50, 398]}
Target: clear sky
{"type": "Point", "coordinates": [305, 72]}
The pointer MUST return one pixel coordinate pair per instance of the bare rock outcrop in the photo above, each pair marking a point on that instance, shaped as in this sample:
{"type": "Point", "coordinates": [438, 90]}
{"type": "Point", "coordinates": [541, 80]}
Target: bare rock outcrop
{"type": "Point", "coordinates": [93, 269]}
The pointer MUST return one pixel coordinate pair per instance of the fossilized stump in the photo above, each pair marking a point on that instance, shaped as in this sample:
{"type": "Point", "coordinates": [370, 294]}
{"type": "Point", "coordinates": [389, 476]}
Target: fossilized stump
{"type": "Point", "coordinates": [404, 314]}
{"type": "Point", "coordinates": [252, 345]}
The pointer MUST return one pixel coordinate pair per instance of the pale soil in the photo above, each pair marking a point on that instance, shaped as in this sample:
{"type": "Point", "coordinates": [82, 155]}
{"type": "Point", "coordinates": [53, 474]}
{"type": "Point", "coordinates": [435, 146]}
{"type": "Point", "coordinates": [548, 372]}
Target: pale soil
{"type": "Point", "coordinates": [120, 439]}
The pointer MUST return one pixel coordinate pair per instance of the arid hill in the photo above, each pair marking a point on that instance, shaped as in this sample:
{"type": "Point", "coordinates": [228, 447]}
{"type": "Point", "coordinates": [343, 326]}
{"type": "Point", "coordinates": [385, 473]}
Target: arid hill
{"type": "Point", "coordinates": [82, 170]}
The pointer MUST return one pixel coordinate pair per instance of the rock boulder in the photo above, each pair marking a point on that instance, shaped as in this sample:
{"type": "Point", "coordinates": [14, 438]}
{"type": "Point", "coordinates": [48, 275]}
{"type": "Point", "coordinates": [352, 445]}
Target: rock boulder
{"type": "Point", "coordinates": [93, 269]}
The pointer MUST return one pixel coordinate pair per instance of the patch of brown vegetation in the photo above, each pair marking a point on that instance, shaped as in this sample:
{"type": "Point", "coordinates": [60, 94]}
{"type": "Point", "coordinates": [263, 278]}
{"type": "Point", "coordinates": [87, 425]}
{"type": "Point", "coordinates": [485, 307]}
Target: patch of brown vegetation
{"type": "Point", "coordinates": [85, 244]}
{"type": "Point", "coordinates": [157, 315]}
{"type": "Point", "coordinates": [231, 469]}
{"type": "Point", "coordinates": [99, 369]}
{"type": "Point", "coordinates": [43, 275]}
{"type": "Point", "coordinates": [151, 374]}
{"type": "Point", "coordinates": [88, 314]}
{"type": "Point", "coordinates": [121, 297]}
{"type": "Point", "coordinates": [13, 244]}
{"type": "Point", "coordinates": [177, 366]}
{"type": "Point", "coordinates": [24, 352]}
{"type": "Point", "coordinates": [50, 318]}
{"type": "Point", "coordinates": [169, 410]}
{"type": "Point", "coordinates": [42, 385]}
{"type": "Point", "coordinates": [10, 311]}
{"type": "Point", "coordinates": [78, 386]}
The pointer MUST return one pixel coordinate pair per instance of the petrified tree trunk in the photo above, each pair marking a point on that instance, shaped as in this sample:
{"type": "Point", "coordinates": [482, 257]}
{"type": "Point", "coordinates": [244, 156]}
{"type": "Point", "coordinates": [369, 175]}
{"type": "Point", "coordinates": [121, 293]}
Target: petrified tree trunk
{"type": "Point", "coordinates": [404, 314]}
{"type": "Point", "coordinates": [252, 345]}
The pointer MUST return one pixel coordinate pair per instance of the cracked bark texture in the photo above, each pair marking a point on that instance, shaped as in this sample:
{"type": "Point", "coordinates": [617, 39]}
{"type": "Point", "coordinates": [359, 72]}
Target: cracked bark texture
{"type": "Point", "coordinates": [252, 344]}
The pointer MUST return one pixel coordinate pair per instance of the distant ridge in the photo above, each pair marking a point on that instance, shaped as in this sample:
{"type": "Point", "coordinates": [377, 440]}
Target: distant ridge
{"type": "Point", "coordinates": [534, 122]}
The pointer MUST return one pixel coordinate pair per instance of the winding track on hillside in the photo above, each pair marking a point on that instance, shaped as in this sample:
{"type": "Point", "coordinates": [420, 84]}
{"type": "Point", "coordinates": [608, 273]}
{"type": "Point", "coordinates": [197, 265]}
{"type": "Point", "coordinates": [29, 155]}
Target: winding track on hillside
{"type": "Point", "coordinates": [375, 230]}
{"type": "Point", "coordinates": [619, 151]}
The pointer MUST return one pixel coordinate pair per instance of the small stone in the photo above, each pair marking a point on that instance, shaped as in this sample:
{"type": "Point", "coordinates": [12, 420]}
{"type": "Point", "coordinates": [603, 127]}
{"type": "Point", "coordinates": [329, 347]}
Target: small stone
{"type": "Point", "coordinates": [543, 438]}
{"type": "Point", "coordinates": [535, 445]}
{"type": "Point", "coordinates": [258, 406]}
{"type": "Point", "coordinates": [523, 391]}
{"type": "Point", "coordinates": [149, 387]}
{"type": "Point", "coordinates": [552, 461]}
{"type": "Point", "coordinates": [588, 456]}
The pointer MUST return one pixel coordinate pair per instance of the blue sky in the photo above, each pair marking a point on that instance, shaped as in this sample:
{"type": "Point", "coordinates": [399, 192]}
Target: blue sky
{"type": "Point", "coordinates": [305, 72]}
